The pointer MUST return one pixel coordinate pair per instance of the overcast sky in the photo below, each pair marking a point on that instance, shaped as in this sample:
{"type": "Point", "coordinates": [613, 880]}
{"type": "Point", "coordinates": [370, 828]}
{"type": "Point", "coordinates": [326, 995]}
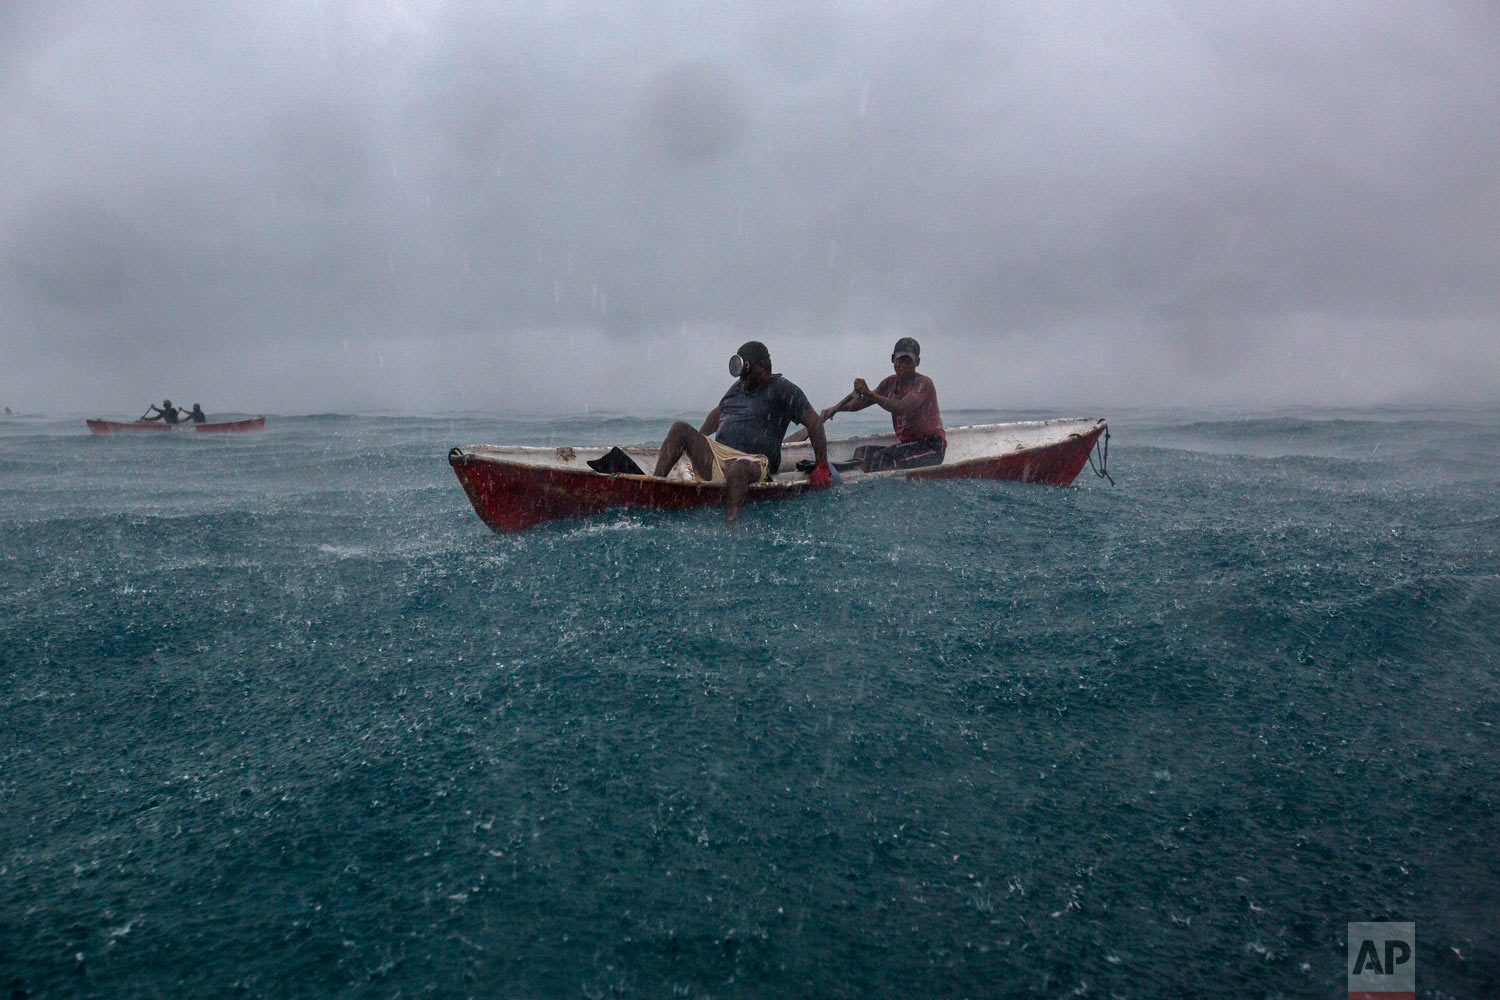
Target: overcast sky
{"type": "Point", "coordinates": [299, 206]}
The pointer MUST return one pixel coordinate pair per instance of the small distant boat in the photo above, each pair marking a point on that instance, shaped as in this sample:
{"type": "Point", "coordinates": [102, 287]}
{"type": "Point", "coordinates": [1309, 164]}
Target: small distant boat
{"type": "Point", "coordinates": [517, 487]}
{"type": "Point", "coordinates": [212, 427]}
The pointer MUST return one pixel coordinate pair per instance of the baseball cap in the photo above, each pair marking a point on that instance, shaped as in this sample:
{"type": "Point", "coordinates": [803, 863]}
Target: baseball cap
{"type": "Point", "coordinates": [909, 347]}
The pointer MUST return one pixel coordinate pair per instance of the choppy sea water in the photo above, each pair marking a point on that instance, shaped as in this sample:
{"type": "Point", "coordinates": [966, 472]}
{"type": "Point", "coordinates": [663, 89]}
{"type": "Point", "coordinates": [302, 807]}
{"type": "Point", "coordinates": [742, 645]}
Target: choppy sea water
{"type": "Point", "coordinates": [279, 716]}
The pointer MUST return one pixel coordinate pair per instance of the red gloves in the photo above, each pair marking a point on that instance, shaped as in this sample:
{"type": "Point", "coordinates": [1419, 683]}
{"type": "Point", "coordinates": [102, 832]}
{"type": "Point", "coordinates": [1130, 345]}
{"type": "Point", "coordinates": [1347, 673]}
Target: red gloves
{"type": "Point", "coordinates": [821, 477]}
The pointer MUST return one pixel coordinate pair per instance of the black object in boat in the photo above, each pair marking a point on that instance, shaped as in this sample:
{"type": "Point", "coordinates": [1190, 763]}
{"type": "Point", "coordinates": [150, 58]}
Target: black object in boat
{"type": "Point", "coordinates": [806, 465]}
{"type": "Point", "coordinates": [614, 462]}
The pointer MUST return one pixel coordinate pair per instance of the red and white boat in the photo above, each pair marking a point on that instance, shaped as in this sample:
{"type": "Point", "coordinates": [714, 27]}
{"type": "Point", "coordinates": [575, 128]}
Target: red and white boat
{"type": "Point", "coordinates": [213, 427]}
{"type": "Point", "coordinates": [517, 487]}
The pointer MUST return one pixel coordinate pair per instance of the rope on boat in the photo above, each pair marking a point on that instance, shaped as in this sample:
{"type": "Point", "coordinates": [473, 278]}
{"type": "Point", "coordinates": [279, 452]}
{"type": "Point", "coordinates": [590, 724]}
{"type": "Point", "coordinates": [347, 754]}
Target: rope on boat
{"type": "Point", "coordinates": [1102, 469]}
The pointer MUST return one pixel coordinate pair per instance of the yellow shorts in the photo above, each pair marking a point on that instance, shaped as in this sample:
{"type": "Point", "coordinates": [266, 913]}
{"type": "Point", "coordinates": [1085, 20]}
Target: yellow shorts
{"type": "Point", "coordinates": [723, 453]}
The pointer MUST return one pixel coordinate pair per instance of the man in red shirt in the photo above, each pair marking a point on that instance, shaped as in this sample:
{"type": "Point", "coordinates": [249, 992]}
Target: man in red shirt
{"type": "Point", "coordinates": [911, 400]}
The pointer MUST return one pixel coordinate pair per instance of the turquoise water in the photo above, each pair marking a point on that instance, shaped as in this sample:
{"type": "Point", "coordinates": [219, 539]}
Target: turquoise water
{"type": "Point", "coordinates": [279, 716]}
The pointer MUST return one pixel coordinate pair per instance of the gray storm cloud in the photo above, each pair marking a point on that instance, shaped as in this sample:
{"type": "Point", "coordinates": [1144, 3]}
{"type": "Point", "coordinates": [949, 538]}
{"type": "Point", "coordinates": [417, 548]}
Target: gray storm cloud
{"type": "Point", "coordinates": [405, 204]}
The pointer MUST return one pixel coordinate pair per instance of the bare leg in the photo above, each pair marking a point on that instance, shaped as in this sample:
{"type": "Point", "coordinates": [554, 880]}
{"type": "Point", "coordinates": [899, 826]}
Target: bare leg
{"type": "Point", "coordinates": [684, 438]}
{"type": "Point", "coordinates": [738, 475]}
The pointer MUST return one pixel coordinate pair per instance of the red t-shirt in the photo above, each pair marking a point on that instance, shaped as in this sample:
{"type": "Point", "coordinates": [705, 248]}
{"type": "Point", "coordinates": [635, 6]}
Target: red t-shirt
{"type": "Point", "coordinates": [922, 421]}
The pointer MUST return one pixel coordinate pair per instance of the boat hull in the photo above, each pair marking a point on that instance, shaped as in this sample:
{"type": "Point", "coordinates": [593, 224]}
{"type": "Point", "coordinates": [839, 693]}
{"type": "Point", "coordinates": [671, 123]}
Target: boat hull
{"type": "Point", "coordinates": [1057, 465]}
{"type": "Point", "coordinates": [512, 496]}
{"type": "Point", "coordinates": [516, 488]}
{"type": "Point", "coordinates": [218, 427]}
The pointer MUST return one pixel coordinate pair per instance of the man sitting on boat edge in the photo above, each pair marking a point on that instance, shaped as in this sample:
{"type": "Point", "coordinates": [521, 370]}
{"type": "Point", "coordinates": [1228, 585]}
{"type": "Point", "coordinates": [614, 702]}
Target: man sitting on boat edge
{"type": "Point", "coordinates": [911, 400]}
{"type": "Point", "coordinates": [749, 423]}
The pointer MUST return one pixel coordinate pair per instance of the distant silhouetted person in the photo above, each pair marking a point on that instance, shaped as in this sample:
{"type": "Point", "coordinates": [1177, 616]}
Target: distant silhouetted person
{"type": "Point", "coordinates": [166, 411]}
{"type": "Point", "coordinates": [197, 415]}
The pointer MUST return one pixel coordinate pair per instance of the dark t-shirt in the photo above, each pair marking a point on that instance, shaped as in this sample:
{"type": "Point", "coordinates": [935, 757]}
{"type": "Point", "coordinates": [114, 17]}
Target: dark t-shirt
{"type": "Point", "coordinates": [925, 420]}
{"type": "Point", "coordinates": [756, 421]}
